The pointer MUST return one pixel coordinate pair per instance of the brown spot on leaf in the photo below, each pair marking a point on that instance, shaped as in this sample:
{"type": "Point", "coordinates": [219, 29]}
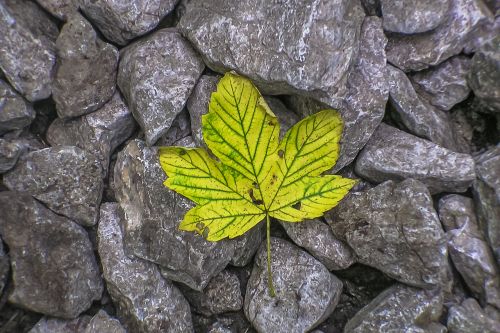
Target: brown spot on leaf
{"type": "Point", "coordinates": [281, 153]}
{"type": "Point", "coordinates": [297, 205]}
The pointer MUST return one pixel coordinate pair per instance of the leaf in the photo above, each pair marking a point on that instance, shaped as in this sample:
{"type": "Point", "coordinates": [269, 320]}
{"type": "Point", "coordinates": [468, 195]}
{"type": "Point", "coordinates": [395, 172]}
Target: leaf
{"type": "Point", "coordinates": [255, 176]}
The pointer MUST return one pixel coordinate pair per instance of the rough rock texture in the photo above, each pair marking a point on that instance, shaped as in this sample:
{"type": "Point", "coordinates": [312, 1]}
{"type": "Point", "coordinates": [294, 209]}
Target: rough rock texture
{"type": "Point", "coordinates": [100, 132]}
{"type": "Point", "coordinates": [222, 294]}
{"type": "Point", "coordinates": [15, 112]}
{"type": "Point", "coordinates": [484, 76]}
{"type": "Point", "coordinates": [317, 238]}
{"type": "Point", "coordinates": [306, 293]}
{"type": "Point", "coordinates": [396, 155]}
{"type": "Point", "coordinates": [180, 128]}
{"type": "Point", "coordinates": [399, 309]}
{"type": "Point", "coordinates": [288, 47]}
{"type": "Point", "coordinates": [286, 117]}
{"type": "Point", "coordinates": [103, 323]}
{"type": "Point", "coordinates": [152, 215]}
{"type": "Point", "coordinates": [469, 317]}
{"type": "Point", "coordinates": [156, 76]}
{"type": "Point", "coordinates": [470, 253]}
{"type": "Point", "coordinates": [419, 51]}
{"type": "Point", "coordinates": [411, 17]}
{"type": "Point", "coordinates": [145, 301]}
{"type": "Point", "coordinates": [28, 48]}
{"type": "Point", "coordinates": [445, 85]}
{"type": "Point", "coordinates": [372, 7]}
{"type": "Point", "coordinates": [54, 325]}
{"type": "Point", "coordinates": [9, 154]}
{"type": "Point", "coordinates": [416, 114]}
{"type": "Point", "coordinates": [486, 193]}
{"type": "Point", "coordinates": [394, 228]}
{"type": "Point", "coordinates": [85, 77]}
{"type": "Point", "coordinates": [246, 245]}
{"type": "Point", "coordinates": [121, 21]}
{"type": "Point", "coordinates": [62, 9]}
{"type": "Point", "coordinates": [54, 270]}
{"type": "Point", "coordinates": [4, 267]}
{"type": "Point", "coordinates": [67, 179]}
{"type": "Point", "coordinates": [483, 34]}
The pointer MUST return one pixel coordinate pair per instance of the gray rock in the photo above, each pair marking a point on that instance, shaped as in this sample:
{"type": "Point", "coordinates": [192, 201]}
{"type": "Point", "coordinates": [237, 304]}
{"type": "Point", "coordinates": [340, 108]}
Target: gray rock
{"type": "Point", "coordinates": [15, 112]}
{"type": "Point", "coordinates": [399, 309]}
{"type": "Point", "coordinates": [286, 117]}
{"type": "Point", "coordinates": [28, 48]}
{"type": "Point", "coordinates": [416, 114]}
{"type": "Point", "coordinates": [486, 192]}
{"type": "Point", "coordinates": [394, 228]}
{"type": "Point", "coordinates": [222, 294]}
{"type": "Point", "coordinates": [411, 17]}
{"type": "Point", "coordinates": [445, 85]}
{"type": "Point", "coordinates": [307, 49]}
{"type": "Point", "coordinates": [469, 317]}
{"type": "Point", "coordinates": [9, 154]}
{"type": "Point", "coordinates": [4, 267]}
{"type": "Point", "coordinates": [372, 7]}
{"type": "Point", "coordinates": [67, 179]}
{"type": "Point", "coordinates": [246, 245]}
{"type": "Point", "coordinates": [318, 239]}
{"type": "Point", "coordinates": [396, 155]}
{"type": "Point", "coordinates": [62, 9]}
{"type": "Point", "coordinates": [120, 21]}
{"type": "Point", "coordinates": [156, 76]}
{"type": "Point", "coordinates": [419, 51]}
{"type": "Point", "coordinates": [85, 77]}
{"type": "Point", "coordinates": [103, 323]}
{"type": "Point", "coordinates": [152, 215]}
{"type": "Point", "coordinates": [180, 128]}
{"type": "Point", "coordinates": [55, 325]}
{"type": "Point", "coordinates": [483, 34]}
{"type": "Point", "coordinates": [484, 76]}
{"type": "Point", "coordinates": [54, 270]}
{"type": "Point", "coordinates": [100, 132]}
{"type": "Point", "coordinates": [145, 301]}
{"type": "Point", "coordinates": [306, 293]}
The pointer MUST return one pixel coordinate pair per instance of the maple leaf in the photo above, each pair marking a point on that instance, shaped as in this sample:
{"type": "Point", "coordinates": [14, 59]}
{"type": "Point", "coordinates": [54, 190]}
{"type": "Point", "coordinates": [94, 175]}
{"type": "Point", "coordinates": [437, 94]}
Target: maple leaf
{"type": "Point", "coordinates": [256, 176]}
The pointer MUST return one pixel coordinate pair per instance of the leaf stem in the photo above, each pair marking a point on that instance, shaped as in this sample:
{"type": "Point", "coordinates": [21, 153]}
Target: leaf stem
{"type": "Point", "coordinates": [269, 273]}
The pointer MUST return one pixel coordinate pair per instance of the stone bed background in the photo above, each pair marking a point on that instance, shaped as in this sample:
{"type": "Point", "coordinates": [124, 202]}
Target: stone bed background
{"type": "Point", "coordinates": [90, 238]}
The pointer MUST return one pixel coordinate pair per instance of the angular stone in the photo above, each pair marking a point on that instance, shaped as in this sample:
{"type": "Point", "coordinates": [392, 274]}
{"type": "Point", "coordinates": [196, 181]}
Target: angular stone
{"type": "Point", "coordinates": [62, 9]}
{"type": "Point", "coordinates": [100, 132]}
{"type": "Point", "coordinates": [484, 33]}
{"type": "Point", "coordinates": [484, 76]}
{"type": "Point", "coordinates": [103, 323]}
{"type": "Point", "coordinates": [317, 238]}
{"type": "Point", "coordinates": [145, 301]}
{"type": "Point", "coordinates": [15, 112]}
{"type": "Point", "coordinates": [246, 245]}
{"type": "Point", "coordinates": [9, 154]}
{"type": "Point", "coordinates": [445, 85]}
{"type": "Point", "coordinates": [392, 154]}
{"type": "Point", "coordinates": [4, 267]}
{"type": "Point", "coordinates": [54, 270]}
{"type": "Point", "coordinates": [156, 76]}
{"type": "Point", "coordinates": [28, 48]}
{"type": "Point", "coordinates": [486, 192]}
{"type": "Point", "coordinates": [180, 128]}
{"type": "Point", "coordinates": [306, 293]}
{"type": "Point", "coordinates": [85, 77]}
{"type": "Point", "coordinates": [372, 7]}
{"type": "Point", "coordinates": [399, 309]}
{"type": "Point", "coordinates": [419, 51]}
{"type": "Point", "coordinates": [222, 294]}
{"type": "Point", "coordinates": [469, 317]}
{"type": "Point", "coordinates": [152, 216]}
{"type": "Point", "coordinates": [416, 114]}
{"type": "Point", "coordinates": [120, 21]}
{"type": "Point", "coordinates": [67, 179]}
{"type": "Point", "coordinates": [307, 49]}
{"type": "Point", "coordinates": [411, 17]}
{"type": "Point", "coordinates": [55, 325]}
{"type": "Point", "coordinates": [394, 228]}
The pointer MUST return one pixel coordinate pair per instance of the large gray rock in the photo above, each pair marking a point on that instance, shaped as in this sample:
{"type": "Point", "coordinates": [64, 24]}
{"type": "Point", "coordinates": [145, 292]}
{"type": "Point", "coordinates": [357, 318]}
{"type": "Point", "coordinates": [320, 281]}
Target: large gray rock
{"type": "Point", "coordinates": [15, 112]}
{"type": "Point", "coordinates": [180, 129]}
{"type": "Point", "coordinates": [318, 239]}
{"type": "Point", "coordinates": [411, 17]}
{"type": "Point", "coordinates": [120, 21]}
{"type": "Point", "coordinates": [445, 85]}
{"type": "Point", "coordinates": [469, 317]}
{"type": "Point", "coordinates": [4, 267]}
{"type": "Point", "coordinates": [103, 323]}
{"type": "Point", "coordinates": [399, 309]}
{"type": "Point", "coordinates": [9, 154]}
{"type": "Point", "coordinates": [416, 114]}
{"type": "Point", "coordinates": [419, 51]}
{"type": "Point", "coordinates": [470, 253]}
{"type": "Point", "coordinates": [28, 48]}
{"type": "Point", "coordinates": [484, 76]}
{"type": "Point", "coordinates": [156, 76]}
{"type": "Point", "coordinates": [62, 9]}
{"type": "Point", "coordinates": [392, 154]}
{"type": "Point", "coordinates": [394, 228]}
{"type": "Point", "coordinates": [306, 293]}
{"type": "Point", "coordinates": [486, 191]}
{"type": "Point", "coordinates": [67, 179]}
{"type": "Point", "coordinates": [100, 323]}
{"type": "Point", "coordinates": [285, 48]}
{"type": "Point", "coordinates": [145, 301]}
{"type": "Point", "coordinates": [152, 216]}
{"type": "Point", "coordinates": [483, 34]}
{"type": "Point", "coordinates": [100, 132]}
{"type": "Point", "coordinates": [85, 77]}
{"type": "Point", "coordinates": [54, 270]}
{"type": "Point", "coordinates": [246, 245]}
